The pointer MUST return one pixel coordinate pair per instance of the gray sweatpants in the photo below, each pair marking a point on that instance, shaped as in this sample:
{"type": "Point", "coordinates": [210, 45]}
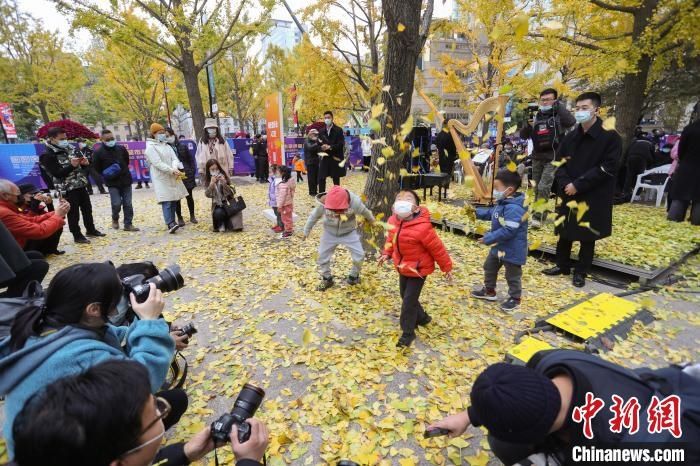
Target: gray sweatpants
{"type": "Point", "coordinates": [514, 274]}
{"type": "Point", "coordinates": [327, 247]}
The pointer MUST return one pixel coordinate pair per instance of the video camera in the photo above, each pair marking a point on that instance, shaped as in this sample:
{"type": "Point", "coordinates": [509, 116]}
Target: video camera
{"type": "Point", "coordinates": [247, 403]}
{"type": "Point", "coordinates": [168, 279]}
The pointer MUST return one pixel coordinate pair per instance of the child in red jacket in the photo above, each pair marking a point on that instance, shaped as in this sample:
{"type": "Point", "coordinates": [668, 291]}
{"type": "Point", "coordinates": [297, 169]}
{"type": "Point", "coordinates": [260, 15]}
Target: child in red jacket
{"type": "Point", "coordinates": [414, 247]}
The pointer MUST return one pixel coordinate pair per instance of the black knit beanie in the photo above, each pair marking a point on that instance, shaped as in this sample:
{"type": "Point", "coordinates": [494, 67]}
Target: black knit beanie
{"type": "Point", "coordinates": [515, 403]}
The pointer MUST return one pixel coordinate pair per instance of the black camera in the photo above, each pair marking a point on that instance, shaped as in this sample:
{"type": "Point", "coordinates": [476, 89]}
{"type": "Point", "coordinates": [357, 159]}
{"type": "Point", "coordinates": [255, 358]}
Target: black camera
{"type": "Point", "coordinates": [246, 405]}
{"type": "Point", "coordinates": [188, 330]}
{"type": "Point", "coordinates": [347, 463]}
{"type": "Point", "coordinates": [169, 279]}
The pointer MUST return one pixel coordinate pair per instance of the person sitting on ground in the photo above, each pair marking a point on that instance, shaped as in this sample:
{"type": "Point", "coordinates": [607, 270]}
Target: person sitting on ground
{"type": "Point", "coordinates": [36, 204]}
{"type": "Point", "coordinates": [509, 239]}
{"type": "Point", "coordinates": [414, 247]}
{"type": "Point", "coordinates": [70, 332]}
{"type": "Point", "coordinates": [339, 209]}
{"type": "Point", "coordinates": [17, 267]}
{"type": "Point", "coordinates": [222, 193]}
{"type": "Point", "coordinates": [29, 229]}
{"type": "Point", "coordinates": [531, 410]}
{"type": "Point", "coordinates": [73, 422]}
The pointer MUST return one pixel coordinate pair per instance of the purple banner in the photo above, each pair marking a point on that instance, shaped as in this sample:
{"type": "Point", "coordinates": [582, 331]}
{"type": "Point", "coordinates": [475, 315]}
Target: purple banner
{"type": "Point", "coordinates": [243, 162]}
{"type": "Point", "coordinates": [19, 163]}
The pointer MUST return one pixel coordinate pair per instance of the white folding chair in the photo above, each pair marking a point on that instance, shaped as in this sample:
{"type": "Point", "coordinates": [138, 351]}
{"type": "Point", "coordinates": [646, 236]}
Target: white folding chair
{"type": "Point", "coordinates": [658, 188]}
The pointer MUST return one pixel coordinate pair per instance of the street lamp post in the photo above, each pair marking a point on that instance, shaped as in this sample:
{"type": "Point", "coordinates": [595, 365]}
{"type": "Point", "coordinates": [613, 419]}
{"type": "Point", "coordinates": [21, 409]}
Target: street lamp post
{"type": "Point", "coordinates": [165, 94]}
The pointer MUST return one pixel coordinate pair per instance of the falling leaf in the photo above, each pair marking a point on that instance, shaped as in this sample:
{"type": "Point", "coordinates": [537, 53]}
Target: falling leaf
{"type": "Point", "coordinates": [511, 129]}
{"type": "Point", "coordinates": [380, 161]}
{"type": "Point", "coordinates": [581, 210]}
{"type": "Point", "coordinates": [374, 125]}
{"type": "Point", "coordinates": [512, 167]}
{"type": "Point", "coordinates": [307, 337]}
{"type": "Point", "coordinates": [558, 163]}
{"type": "Point", "coordinates": [400, 27]}
{"type": "Point", "coordinates": [535, 245]}
{"type": "Point", "coordinates": [520, 24]}
{"type": "Point", "coordinates": [377, 110]}
{"type": "Point", "coordinates": [553, 25]}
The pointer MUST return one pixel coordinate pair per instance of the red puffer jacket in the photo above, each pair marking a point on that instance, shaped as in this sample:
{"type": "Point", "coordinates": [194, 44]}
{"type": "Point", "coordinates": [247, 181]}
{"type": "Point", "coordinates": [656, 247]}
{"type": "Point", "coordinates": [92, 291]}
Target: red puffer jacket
{"type": "Point", "coordinates": [23, 227]}
{"type": "Point", "coordinates": [415, 247]}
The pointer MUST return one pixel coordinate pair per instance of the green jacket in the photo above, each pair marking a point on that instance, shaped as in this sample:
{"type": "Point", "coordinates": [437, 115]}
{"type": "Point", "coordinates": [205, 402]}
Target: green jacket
{"type": "Point", "coordinates": [56, 161]}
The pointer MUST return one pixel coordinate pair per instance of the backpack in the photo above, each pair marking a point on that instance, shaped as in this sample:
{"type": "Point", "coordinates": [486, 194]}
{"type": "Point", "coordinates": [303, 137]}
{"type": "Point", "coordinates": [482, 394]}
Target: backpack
{"type": "Point", "coordinates": [33, 295]}
{"type": "Point", "coordinates": [545, 133]}
{"type": "Point", "coordinates": [607, 379]}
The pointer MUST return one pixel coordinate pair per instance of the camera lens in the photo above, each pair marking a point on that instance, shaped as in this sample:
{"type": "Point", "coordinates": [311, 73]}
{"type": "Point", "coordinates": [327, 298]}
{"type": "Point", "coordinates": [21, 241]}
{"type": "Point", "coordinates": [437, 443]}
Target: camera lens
{"type": "Point", "coordinates": [248, 402]}
{"type": "Point", "coordinates": [169, 279]}
{"type": "Point", "coordinates": [347, 463]}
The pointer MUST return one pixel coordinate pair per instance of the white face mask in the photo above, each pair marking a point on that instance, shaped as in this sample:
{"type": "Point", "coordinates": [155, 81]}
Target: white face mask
{"type": "Point", "coordinates": [170, 139]}
{"type": "Point", "coordinates": [328, 121]}
{"type": "Point", "coordinates": [211, 132]}
{"type": "Point", "coordinates": [214, 173]}
{"type": "Point", "coordinates": [161, 137]}
{"type": "Point", "coordinates": [403, 209]}
{"type": "Point", "coordinates": [583, 116]}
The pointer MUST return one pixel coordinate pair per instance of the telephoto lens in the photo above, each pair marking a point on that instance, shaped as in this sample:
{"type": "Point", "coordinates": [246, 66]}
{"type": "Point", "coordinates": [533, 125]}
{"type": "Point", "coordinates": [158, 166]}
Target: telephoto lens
{"type": "Point", "coordinates": [169, 279]}
{"type": "Point", "coordinates": [247, 403]}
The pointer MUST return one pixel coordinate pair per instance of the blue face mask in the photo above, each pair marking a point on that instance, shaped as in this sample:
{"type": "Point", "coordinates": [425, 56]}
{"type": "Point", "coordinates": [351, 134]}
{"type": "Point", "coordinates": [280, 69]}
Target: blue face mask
{"type": "Point", "coordinates": [545, 108]}
{"type": "Point", "coordinates": [161, 137]}
{"type": "Point", "coordinates": [111, 143]}
{"type": "Point", "coordinates": [582, 116]}
{"type": "Point", "coordinates": [63, 144]}
{"type": "Point", "coordinates": [498, 195]}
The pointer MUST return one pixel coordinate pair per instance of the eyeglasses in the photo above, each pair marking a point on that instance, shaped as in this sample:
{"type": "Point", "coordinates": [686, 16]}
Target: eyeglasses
{"type": "Point", "coordinates": [162, 410]}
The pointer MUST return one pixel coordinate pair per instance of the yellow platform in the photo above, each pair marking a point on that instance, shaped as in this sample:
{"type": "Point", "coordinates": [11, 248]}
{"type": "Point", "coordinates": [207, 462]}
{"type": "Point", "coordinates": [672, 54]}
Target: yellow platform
{"type": "Point", "coordinates": [594, 316]}
{"type": "Point", "coordinates": [527, 348]}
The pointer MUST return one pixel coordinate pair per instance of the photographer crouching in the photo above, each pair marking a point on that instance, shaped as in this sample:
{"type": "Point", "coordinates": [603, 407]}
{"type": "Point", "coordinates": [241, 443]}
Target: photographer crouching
{"type": "Point", "coordinates": [70, 332]}
{"type": "Point", "coordinates": [546, 129]}
{"type": "Point", "coordinates": [72, 422]}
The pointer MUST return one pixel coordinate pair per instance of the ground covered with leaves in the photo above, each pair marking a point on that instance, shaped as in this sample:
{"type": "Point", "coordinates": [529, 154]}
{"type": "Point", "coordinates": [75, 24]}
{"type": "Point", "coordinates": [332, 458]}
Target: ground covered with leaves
{"type": "Point", "coordinates": [337, 387]}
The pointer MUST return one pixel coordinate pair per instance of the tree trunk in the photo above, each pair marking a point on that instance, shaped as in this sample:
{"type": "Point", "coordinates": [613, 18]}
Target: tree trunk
{"type": "Point", "coordinates": [403, 49]}
{"type": "Point", "coordinates": [190, 75]}
{"type": "Point", "coordinates": [44, 113]}
{"type": "Point", "coordinates": [634, 84]}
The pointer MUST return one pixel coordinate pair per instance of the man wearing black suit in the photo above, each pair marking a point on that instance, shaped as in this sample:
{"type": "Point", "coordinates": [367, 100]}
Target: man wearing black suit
{"type": "Point", "coordinates": [332, 144]}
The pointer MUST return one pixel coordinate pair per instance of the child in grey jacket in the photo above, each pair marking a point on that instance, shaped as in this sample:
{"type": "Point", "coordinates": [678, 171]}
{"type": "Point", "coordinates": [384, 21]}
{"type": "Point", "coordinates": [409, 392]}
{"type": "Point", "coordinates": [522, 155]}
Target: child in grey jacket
{"type": "Point", "coordinates": [339, 209]}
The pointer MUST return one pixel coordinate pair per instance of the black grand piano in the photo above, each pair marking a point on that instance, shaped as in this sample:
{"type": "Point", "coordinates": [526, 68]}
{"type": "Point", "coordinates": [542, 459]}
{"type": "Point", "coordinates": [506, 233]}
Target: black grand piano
{"type": "Point", "coordinates": [427, 181]}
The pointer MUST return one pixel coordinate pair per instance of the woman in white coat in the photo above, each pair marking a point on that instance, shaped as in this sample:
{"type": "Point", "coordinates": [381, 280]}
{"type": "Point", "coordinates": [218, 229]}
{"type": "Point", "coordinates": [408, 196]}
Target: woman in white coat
{"type": "Point", "coordinates": [213, 146]}
{"type": "Point", "coordinates": [165, 174]}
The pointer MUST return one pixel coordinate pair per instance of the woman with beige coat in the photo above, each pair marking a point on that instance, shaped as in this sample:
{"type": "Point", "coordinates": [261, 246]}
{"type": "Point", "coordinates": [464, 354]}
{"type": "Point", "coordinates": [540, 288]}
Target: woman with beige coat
{"type": "Point", "coordinates": [165, 174]}
{"type": "Point", "coordinates": [213, 146]}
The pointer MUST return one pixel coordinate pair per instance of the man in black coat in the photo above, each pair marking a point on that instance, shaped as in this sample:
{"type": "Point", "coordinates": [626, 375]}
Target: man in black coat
{"type": "Point", "coordinates": [118, 181]}
{"type": "Point", "coordinates": [333, 145]}
{"type": "Point", "coordinates": [685, 188]}
{"type": "Point", "coordinates": [91, 174]}
{"type": "Point", "coordinates": [589, 157]}
{"type": "Point", "coordinates": [259, 151]}
{"type": "Point", "coordinates": [447, 151]}
{"type": "Point", "coordinates": [640, 156]}
{"type": "Point", "coordinates": [312, 146]}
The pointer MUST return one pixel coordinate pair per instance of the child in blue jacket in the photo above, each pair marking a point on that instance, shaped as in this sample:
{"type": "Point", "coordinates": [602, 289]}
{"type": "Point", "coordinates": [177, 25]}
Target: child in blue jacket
{"type": "Point", "coordinates": [508, 236]}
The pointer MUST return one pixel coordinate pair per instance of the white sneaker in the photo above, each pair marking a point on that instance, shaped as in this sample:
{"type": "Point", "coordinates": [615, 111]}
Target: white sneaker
{"type": "Point", "coordinates": [536, 224]}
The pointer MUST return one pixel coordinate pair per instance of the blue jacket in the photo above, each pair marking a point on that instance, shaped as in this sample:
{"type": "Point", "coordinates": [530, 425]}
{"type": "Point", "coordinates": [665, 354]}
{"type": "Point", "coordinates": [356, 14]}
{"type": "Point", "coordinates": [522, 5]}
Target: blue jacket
{"type": "Point", "coordinates": [508, 229]}
{"type": "Point", "coordinates": [70, 351]}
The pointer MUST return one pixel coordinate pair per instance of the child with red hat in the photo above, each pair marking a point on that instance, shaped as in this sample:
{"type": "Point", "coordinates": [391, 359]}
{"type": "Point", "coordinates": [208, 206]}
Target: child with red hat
{"type": "Point", "coordinates": [339, 209]}
{"type": "Point", "coordinates": [415, 248]}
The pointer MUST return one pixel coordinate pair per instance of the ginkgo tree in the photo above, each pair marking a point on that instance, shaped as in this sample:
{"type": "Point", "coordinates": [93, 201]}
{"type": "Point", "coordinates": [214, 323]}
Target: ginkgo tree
{"type": "Point", "coordinates": [632, 41]}
{"type": "Point", "coordinates": [44, 76]}
{"type": "Point", "coordinates": [189, 33]}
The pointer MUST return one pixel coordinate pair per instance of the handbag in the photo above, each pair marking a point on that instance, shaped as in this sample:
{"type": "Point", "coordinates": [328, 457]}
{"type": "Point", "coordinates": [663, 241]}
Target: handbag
{"type": "Point", "coordinates": [235, 206]}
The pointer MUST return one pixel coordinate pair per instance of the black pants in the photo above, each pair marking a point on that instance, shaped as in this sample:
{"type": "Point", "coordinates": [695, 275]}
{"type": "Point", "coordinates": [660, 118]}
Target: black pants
{"type": "Point", "coordinates": [79, 200]}
{"type": "Point", "coordinates": [312, 178]}
{"type": "Point", "coordinates": [678, 210]}
{"type": "Point", "coordinates": [299, 177]}
{"type": "Point", "coordinates": [177, 399]}
{"type": "Point", "coordinates": [219, 218]}
{"type": "Point", "coordinates": [37, 270]}
{"type": "Point", "coordinates": [585, 255]}
{"type": "Point", "coordinates": [45, 246]}
{"type": "Point", "coordinates": [190, 205]}
{"type": "Point", "coordinates": [411, 310]}
{"type": "Point", "coordinates": [92, 175]}
{"type": "Point", "coordinates": [322, 183]}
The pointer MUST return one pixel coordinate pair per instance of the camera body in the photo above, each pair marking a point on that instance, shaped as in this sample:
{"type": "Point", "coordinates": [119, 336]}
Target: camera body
{"type": "Point", "coordinates": [247, 403]}
{"type": "Point", "coordinates": [169, 279]}
{"type": "Point", "coordinates": [188, 330]}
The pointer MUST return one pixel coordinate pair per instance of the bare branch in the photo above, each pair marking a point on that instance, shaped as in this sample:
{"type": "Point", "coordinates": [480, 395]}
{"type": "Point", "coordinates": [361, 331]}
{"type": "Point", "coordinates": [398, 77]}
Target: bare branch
{"type": "Point", "coordinates": [611, 7]}
{"type": "Point", "coordinates": [571, 41]}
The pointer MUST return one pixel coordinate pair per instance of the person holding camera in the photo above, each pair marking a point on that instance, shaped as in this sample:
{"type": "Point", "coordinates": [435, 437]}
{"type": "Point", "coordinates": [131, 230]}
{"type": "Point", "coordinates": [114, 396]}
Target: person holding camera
{"type": "Point", "coordinates": [66, 168]}
{"type": "Point", "coordinates": [85, 151]}
{"type": "Point", "coordinates": [222, 193]}
{"type": "Point", "coordinates": [70, 332]}
{"type": "Point", "coordinates": [529, 410]}
{"type": "Point", "coordinates": [72, 422]}
{"type": "Point", "coordinates": [546, 129]}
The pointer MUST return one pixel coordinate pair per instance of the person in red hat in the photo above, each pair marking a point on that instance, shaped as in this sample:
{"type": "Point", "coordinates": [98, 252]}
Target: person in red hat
{"type": "Point", "coordinates": [414, 247]}
{"type": "Point", "coordinates": [339, 209]}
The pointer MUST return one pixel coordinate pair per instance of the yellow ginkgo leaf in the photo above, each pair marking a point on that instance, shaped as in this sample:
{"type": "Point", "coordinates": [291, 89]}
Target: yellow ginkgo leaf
{"type": "Point", "coordinates": [401, 27]}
